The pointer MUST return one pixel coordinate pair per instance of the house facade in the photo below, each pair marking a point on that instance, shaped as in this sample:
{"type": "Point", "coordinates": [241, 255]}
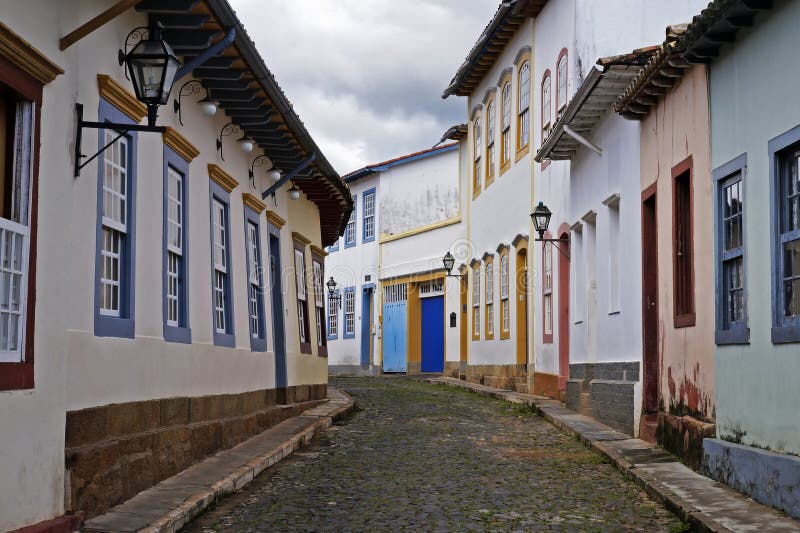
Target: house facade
{"type": "Point", "coordinates": [161, 306]}
{"type": "Point", "coordinates": [754, 143]}
{"type": "Point", "coordinates": [670, 99]}
{"type": "Point", "coordinates": [590, 345]}
{"type": "Point", "coordinates": [497, 81]}
{"type": "Point", "coordinates": [395, 297]}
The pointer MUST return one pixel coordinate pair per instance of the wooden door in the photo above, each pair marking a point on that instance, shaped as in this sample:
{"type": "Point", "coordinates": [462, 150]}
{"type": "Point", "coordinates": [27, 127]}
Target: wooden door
{"type": "Point", "coordinates": [563, 312]}
{"type": "Point", "coordinates": [650, 300]}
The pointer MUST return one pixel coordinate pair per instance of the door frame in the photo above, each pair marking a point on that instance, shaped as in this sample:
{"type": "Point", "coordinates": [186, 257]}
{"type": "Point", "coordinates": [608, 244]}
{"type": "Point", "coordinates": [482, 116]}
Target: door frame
{"type": "Point", "coordinates": [442, 324]}
{"type": "Point", "coordinates": [650, 276]}
{"type": "Point", "coordinates": [563, 309]}
{"type": "Point", "coordinates": [522, 283]}
{"type": "Point", "coordinates": [367, 312]}
{"type": "Point", "coordinates": [278, 326]}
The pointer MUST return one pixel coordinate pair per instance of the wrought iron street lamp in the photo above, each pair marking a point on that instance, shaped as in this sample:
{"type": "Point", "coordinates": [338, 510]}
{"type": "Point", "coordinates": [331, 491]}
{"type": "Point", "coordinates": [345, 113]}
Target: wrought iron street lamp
{"type": "Point", "coordinates": [541, 220]}
{"type": "Point", "coordinates": [334, 296]}
{"type": "Point", "coordinates": [449, 261]}
{"type": "Point", "coordinates": [207, 105]}
{"type": "Point", "coordinates": [152, 66]}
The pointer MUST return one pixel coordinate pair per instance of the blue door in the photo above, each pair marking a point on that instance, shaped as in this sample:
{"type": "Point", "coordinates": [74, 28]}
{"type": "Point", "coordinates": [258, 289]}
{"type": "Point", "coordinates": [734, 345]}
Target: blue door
{"type": "Point", "coordinates": [366, 326]}
{"type": "Point", "coordinates": [395, 321]}
{"type": "Point", "coordinates": [433, 334]}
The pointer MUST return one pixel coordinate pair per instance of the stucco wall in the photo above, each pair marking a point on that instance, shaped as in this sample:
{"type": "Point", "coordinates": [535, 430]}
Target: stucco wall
{"type": "Point", "coordinates": [677, 128]}
{"type": "Point", "coordinates": [502, 210]}
{"type": "Point", "coordinates": [73, 368]}
{"type": "Point", "coordinates": [349, 267]}
{"type": "Point", "coordinates": [600, 332]}
{"type": "Point", "coordinates": [756, 384]}
{"type": "Point", "coordinates": [555, 30]}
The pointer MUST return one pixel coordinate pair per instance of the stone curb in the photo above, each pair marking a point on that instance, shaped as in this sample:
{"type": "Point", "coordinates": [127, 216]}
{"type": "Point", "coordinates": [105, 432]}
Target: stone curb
{"type": "Point", "coordinates": [656, 488]}
{"type": "Point", "coordinates": [325, 414]}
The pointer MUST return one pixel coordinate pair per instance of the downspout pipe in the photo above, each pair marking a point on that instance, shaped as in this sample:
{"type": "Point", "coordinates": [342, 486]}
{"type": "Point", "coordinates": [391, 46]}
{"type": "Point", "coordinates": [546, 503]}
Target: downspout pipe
{"type": "Point", "coordinates": [207, 54]}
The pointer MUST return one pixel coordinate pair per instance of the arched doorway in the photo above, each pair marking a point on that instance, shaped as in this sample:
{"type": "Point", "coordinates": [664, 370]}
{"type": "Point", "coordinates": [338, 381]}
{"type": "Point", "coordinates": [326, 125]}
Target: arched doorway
{"type": "Point", "coordinates": [522, 302]}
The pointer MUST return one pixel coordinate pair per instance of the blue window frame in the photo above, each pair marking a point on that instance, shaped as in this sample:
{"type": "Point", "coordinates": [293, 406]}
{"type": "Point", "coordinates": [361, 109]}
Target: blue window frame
{"type": "Point", "coordinates": [255, 281]}
{"type": "Point", "coordinates": [221, 293]}
{"type": "Point", "coordinates": [114, 275]}
{"type": "Point", "coordinates": [368, 215]}
{"type": "Point", "coordinates": [350, 229]}
{"type": "Point", "coordinates": [731, 278]}
{"type": "Point", "coordinates": [175, 254]}
{"type": "Point", "coordinates": [333, 321]}
{"type": "Point", "coordinates": [334, 247]}
{"type": "Point", "coordinates": [349, 307]}
{"type": "Point", "coordinates": [784, 157]}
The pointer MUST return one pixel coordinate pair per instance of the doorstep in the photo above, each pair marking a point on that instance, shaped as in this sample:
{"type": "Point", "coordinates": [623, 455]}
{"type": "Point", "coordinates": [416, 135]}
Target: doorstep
{"type": "Point", "coordinates": [171, 504]}
{"type": "Point", "coordinates": [702, 502]}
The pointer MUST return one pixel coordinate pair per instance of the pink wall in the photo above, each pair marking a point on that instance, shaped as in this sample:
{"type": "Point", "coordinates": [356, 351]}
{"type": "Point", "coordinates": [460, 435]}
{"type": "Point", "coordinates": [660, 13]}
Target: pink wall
{"type": "Point", "coordinates": [677, 128]}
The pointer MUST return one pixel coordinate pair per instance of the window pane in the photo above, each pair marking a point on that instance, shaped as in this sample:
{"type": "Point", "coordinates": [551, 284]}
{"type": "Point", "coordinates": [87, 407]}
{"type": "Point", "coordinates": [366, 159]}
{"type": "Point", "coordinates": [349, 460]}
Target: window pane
{"type": "Point", "coordinates": [791, 278]}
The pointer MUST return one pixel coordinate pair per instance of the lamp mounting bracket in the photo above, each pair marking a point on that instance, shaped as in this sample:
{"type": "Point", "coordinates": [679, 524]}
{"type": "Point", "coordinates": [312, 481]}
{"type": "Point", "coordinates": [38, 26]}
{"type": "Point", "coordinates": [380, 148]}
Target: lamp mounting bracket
{"type": "Point", "coordinates": [122, 129]}
{"type": "Point", "coordinates": [554, 242]}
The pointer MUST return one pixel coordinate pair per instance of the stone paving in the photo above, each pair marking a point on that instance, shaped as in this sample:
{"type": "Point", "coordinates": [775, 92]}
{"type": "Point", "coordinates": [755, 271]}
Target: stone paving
{"type": "Point", "coordinates": [423, 457]}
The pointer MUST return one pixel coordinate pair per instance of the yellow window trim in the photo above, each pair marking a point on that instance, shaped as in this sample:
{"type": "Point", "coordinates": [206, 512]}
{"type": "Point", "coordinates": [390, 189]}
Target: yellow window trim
{"type": "Point", "coordinates": [521, 59]}
{"type": "Point", "coordinates": [180, 144]}
{"type": "Point", "coordinates": [300, 239]}
{"type": "Point", "coordinates": [522, 152]}
{"type": "Point", "coordinates": [253, 203]}
{"type": "Point", "coordinates": [221, 178]}
{"type": "Point", "coordinates": [275, 219]}
{"type": "Point", "coordinates": [506, 79]}
{"type": "Point", "coordinates": [488, 260]}
{"type": "Point", "coordinates": [430, 227]}
{"type": "Point", "coordinates": [120, 98]}
{"type": "Point", "coordinates": [490, 171]}
{"type": "Point", "coordinates": [505, 334]}
{"type": "Point", "coordinates": [26, 57]}
{"type": "Point", "coordinates": [476, 268]}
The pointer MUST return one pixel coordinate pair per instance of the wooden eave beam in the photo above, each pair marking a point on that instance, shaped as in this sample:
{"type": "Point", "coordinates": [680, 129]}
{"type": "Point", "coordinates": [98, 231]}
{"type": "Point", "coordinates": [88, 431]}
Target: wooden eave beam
{"type": "Point", "coordinates": [97, 22]}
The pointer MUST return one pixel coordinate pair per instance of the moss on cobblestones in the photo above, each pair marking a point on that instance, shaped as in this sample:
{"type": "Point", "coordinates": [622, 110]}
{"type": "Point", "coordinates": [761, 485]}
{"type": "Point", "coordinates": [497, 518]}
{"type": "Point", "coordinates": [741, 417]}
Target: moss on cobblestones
{"type": "Point", "coordinates": [420, 457]}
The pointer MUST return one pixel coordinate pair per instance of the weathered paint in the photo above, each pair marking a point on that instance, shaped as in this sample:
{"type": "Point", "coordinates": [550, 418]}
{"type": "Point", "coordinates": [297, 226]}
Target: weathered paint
{"type": "Point", "coordinates": [678, 128]}
{"type": "Point", "coordinates": [756, 383]}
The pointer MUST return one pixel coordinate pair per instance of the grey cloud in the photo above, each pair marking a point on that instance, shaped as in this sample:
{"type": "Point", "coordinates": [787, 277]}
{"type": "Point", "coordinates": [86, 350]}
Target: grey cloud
{"type": "Point", "coordinates": [366, 76]}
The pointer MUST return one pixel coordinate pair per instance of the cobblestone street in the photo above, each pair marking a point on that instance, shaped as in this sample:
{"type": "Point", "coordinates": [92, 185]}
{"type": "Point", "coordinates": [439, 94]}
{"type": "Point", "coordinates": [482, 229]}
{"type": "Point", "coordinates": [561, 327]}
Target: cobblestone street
{"type": "Point", "coordinates": [421, 457]}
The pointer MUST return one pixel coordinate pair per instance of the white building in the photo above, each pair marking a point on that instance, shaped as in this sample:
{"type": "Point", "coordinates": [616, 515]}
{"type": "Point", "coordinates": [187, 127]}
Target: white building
{"type": "Point", "coordinates": [592, 323]}
{"type": "Point", "coordinates": [388, 266]}
{"type": "Point", "coordinates": [153, 324]}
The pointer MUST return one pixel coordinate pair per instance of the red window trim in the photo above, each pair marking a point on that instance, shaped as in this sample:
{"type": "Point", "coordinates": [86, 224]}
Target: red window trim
{"type": "Point", "coordinates": [686, 319]}
{"type": "Point", "coordinates": [545, 78]}
{"type": "Point", "coordinates": [547, 338]}
{"type": "Point", "coordinates": [20, 376]}
{"type": "Point", "coordinates": [561, 54]}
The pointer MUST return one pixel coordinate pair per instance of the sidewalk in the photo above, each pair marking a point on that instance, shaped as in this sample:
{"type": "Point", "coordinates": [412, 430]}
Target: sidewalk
{"type": "Point", "coordinates": [172, 503]}
{"type": "Point", "coordinates": [703, 503]}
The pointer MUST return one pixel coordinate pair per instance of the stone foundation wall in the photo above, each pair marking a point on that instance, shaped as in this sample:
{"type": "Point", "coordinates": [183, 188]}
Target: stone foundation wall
{"type": "Point", "coordinates": [510, 377]}
{"type": "Point", "coordinates": [683, 436]}
{"type": "Point", "coordinates": [604, 391]}
{"type": "Point", "coordinates": [455, 369]}
{"type": "Point", "coordinates": [545, 385]}
{"type": "Point", "coordinates": [116, 451]}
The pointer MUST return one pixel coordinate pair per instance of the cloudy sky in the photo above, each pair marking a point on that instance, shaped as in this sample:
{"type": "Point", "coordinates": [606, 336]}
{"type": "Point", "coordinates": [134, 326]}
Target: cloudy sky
{"type": "Point", "coordinates": [366, 76]}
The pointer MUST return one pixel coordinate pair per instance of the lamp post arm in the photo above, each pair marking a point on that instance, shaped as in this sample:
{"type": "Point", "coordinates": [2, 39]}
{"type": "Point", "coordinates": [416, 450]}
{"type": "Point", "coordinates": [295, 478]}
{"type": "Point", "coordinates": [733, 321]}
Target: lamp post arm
{"type": "Point", "coordinates": [555, 242]}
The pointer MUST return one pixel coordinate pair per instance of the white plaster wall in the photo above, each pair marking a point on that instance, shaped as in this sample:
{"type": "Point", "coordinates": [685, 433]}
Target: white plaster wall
{"type": "Point", "coordinates": [419, 193]}
{"type": "Point", "coordinates": [599, 333]}
{"type": "Point", "coordinates": [502, 210]}
{"type": "Point", "coordinates": [555, 30]}
{"type": "Point", "coordinates": [611, 27]}
{"type": "Point", "coordinates": [349, 267]}
{"type": "Point", "coordinates": [73, 368]}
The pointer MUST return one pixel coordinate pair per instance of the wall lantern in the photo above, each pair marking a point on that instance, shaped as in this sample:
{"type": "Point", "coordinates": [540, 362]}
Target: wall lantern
{"type": "Point", "coordinates": [541, 220]}
{"type": "Point", "coordinates": [246, 144]}
{"type": "Point", "coordinates": [259, 161]}
{"type": "Point", "coordinates": [294, 192]}
{"type": "Point", "coordinates": [449, 261]}
{"type": "Point", "coordinates": [152, 66]}
{"type": "Point", "coordinates": [274, 174]}
{"type": "Point", "coordinates": [207, 105]}
{"type": "Point", "coordinates": [334, 296]}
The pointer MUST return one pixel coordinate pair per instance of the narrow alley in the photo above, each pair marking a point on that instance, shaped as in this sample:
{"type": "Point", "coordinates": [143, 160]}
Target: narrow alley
{"type": "Point", "coordinates": [422, 457]}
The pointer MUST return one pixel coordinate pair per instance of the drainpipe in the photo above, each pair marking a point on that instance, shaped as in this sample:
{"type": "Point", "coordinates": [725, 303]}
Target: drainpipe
{"type": "Point", "coordinates": [207, 54]}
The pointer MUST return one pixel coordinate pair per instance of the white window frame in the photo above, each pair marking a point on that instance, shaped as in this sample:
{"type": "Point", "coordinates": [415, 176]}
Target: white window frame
{"type": "Point", "coordinates": [220, 267]}
{"type": "Point", "coordinates": [174, 249]}
{"type": "Point", "coordinates": [254, 286]}
{"type": "Point", "coordinates": [369, 216]}
{"type": "Point", "coordinates": [114, 223]}
{"type": "Point", "coordinates": [524, 102]}
{"type": "Point", "coordinates": [350, 312]}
